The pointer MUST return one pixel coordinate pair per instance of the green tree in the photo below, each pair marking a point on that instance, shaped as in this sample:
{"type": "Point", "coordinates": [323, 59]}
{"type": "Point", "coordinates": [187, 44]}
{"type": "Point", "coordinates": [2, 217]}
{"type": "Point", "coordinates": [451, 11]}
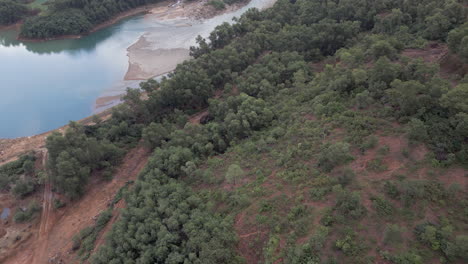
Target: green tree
{"type": "Point", "coordinates": [333, 155]}
{"type": "Point", "coordinates": [234, 173]}
{"type": "Point", "coordinates": [71, 176]}
{"type": "Point", "coordinates": [456, 98]}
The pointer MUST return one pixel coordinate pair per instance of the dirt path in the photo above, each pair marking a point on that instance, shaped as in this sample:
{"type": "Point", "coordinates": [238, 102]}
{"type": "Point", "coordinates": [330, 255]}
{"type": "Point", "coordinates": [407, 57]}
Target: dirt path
{"type": "Point", "coordinates": [44, 227]}
{"type": "Point", "coordinates": [57, 228]}
{"type": "Point", "coordinates": [196, 118]}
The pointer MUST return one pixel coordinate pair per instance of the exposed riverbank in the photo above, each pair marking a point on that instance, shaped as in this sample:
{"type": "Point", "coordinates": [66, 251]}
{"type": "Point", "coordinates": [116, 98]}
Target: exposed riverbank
{"type": "Point", "coordinates": [174, 29]}
{"type": "Point", "coordinates": [148, 58]}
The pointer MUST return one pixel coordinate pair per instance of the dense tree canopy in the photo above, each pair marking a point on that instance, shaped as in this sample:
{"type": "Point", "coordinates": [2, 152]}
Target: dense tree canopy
{"type": "Point", "coordinates": [11, 12]}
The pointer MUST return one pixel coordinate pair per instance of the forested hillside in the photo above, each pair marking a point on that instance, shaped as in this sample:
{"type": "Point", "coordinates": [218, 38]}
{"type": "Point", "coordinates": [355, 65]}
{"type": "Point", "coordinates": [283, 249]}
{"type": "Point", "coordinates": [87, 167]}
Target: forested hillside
{"type": "Point", "coordinates": [325, 132]}
{"type": "Point", "coordinates": [12, 11]}
{"type": "Point", "coordinates": [325, 143]}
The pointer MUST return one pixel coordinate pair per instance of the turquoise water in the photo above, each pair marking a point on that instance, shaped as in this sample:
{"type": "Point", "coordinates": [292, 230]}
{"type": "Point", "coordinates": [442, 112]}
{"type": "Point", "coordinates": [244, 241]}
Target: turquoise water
{"type": "Point", "coordinates": [46, 84]}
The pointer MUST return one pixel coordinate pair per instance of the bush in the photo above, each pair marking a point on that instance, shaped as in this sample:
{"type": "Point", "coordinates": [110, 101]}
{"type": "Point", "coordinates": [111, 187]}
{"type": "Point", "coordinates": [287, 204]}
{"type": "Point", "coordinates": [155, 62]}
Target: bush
{"type": "Point", "coordinates": [58, 203]}
{"type": "Point", "coordinates": [369, 143]}
{"type": "Point", "coordinates": [333, 155]}
{"type": "Point", "coordinates": [393, 235]}
{"type": "Point", "coordinates": [155, 134]}
{"type": "Point", "coordinates": [217, 4]}
{"type": "Point", "coordinates": [348, 204]}
{"type": "Point", "coordinates": [234, 173]}
{"type": "Point", "coordinates": [26, 215]}
{"type": "Point", "coordinates": [403, 258]}
{"type": "Point", "coordinates": [383, 48]}
{"type": "Point", "coordinates": [376, 165]}
{"type": "Point", "coordinates": [417, 130]}
{"type": "Point", "coordinates": [391, 189]}
{"type": "Point", "coordinates": [346, 177]}
{"type": "Point", "coordinates": [349, 244]}
{"type": "Point", "coordinates": [22, 188]}
{"type": "Point", "coordinates": [318, 194]}
{"type": "Point", "coordinates": [382, 206]}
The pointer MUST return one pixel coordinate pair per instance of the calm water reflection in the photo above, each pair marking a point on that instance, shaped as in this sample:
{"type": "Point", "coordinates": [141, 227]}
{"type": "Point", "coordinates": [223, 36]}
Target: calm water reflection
{"type": "Point", "coordinates": [46, 84]}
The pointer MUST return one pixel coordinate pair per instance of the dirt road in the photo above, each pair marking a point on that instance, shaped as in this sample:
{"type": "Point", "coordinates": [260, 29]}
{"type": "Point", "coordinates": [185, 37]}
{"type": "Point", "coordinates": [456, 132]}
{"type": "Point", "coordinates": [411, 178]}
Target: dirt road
{"type": "Point", "coordinates": [57, 227]}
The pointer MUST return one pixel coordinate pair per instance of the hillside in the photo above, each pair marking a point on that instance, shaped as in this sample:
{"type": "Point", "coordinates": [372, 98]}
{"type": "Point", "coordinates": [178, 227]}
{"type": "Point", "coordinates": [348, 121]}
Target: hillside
{"type": "Point", "coordinates": [311, 132]}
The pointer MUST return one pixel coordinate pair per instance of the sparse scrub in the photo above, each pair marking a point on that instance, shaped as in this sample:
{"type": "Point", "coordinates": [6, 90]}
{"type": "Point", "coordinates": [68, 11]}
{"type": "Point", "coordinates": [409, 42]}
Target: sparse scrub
{"type": "Point", "coordinates": [376, 165]}
{"type": "Point", "coordinates": [369, 143]}
{"type": "Point", "coordinates": [382, 206]}
{"type": "Point", "coordinates": [217, 4]}
{"type": "Point", "coordinates": [27, 214]}
{"type": "Point", "coordinates": [349, 244]}
{"type": "Point", "coordinates": [393, 235]}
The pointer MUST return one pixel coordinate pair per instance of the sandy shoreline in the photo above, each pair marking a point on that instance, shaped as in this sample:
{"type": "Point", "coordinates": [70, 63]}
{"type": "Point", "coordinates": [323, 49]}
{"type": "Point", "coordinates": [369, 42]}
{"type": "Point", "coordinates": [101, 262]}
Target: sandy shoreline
{"type": "Point", "coordinates": [145, 61]}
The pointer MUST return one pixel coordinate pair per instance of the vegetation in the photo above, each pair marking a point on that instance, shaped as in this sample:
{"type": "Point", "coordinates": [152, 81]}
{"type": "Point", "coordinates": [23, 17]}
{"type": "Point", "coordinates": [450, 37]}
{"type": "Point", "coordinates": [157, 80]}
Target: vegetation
{"type": "Point", "coordinates": [219, 5]}
{"type": "Point", "coordinates": [12, 11]}
{"type": "Point", "coordinates": [310, 94]}
{"type": "Point", "coordinates": [84, 241]}
{"type": "Point", "coordinates": [70, 17]}
{"type": "Point", "coordinates": [74, 155]}
{"type": "Point", "coordinates": [20, 176]}
{"type": "Point", "coordinates": [26, 214]}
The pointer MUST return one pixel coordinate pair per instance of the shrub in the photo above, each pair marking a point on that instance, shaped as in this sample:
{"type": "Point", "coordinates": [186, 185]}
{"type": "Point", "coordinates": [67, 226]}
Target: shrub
{"type": "Point", "coordinates": [349, 244]}
{"type": "Point", "coordinates": [234, 173]}
{"type": "Point", "coordinates": [403, 258]}
{"type": "Point", "coordinates": [346, 177]}
{"type": "Point", "coordinates": [376, 165]}
{"type": "Point", "coordinates": [383, 150]}
{"type": "Point", "coordinates": [58, 203]}
{"type": "Point", "coordinates": [417, 130]}
{"type": "Point", "coordinates": [348, 204]}
{"type": "Point", "coordinates": [382, 206]}
{"type": "Point", "coordinates": [327, 219]}
{"type": "Point", "coordinates": [391, 189]}
{"type": "Point", "coordinates": [26, 215]}
{"type": "Point", "coordinates": [392, 235]}
{"type": "Point", "coordinates": [319, 193]}
{"type": "Point", "coordinates": [22, 188]}
{"type": "Point", "coordinates": [383, 48]}
{"type": "Point", "coordinates": [217, 4]}
{"type": "Point", "coordinates": [333, 155]}
{"type": "Point", "coordinates": [369, 143]}
{"type": "Point", "coordinates": [363, 100]}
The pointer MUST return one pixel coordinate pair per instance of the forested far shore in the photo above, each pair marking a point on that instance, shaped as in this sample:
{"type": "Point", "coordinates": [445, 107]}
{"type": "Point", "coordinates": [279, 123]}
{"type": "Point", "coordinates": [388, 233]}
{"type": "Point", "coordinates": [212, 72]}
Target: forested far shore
{"type": "Point", "coordinates": [77, 17]}
{"type": "Point", "coordinates": [12, 12]}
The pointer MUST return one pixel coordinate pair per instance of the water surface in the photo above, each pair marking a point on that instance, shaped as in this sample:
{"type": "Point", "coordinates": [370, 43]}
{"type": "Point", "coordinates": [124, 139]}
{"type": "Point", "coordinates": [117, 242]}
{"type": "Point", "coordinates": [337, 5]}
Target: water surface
{"type": "Point", "coordinates": [46, 84]}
